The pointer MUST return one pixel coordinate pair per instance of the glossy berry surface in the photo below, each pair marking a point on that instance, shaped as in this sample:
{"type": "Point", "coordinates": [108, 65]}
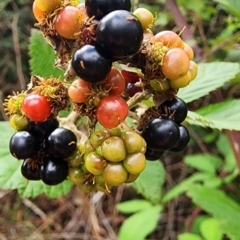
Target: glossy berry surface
{"type": "Point", "coordinates": [130, 77]}
{"type": "Point", "coordinates": [175, 64]}
{"type": "Point", "coordinates": [69, 21]}
{"type": "Point", "coordinates": [100, 8]}
{"type": "Point", "coordinates": [169, 39]}
{"type": "Point", "coordinates": [120, 33]}
{"type": "Point", "coordinates": [79, 91]}
{"type": "Point", "coordinates": [153, 155]}
{"type": "Point", "coordinates": [19, 122]}
{"type": "Point", "coordinates": [135, 163]}
{"type": "Point", "coordinates": [113, 149]}
{"type": "Point", "coordinates": [161, 134]}
{"type": "Point", "coordinates": [175, 108]}
{"type": "Point", "coordinates": [91, 64]}
{"type": "Point", "coordinates": [114, 82]}
{"type": "Point", "coordinates": [183, 140]}
{"type": "Point", "coordinates": [115, 174]}
{"type": "Point", "coordinates": [38, 14]}
{"type": "Point", "coordinates": [43, 129]}
{"type": "Point", "coordinates": [145, 17]}
{"type": "Point", "coordinates": [36, 107]}
{"type": "Point", "coordinates": [46, 5]}
{"type": "Point", "coordinates": [131, 89]}
{"type": "Point", "coordinates": [94, 163]}
{"type": "Point", "coordinates": [112, 111]}
{"type": "Point", "coordinates": [23, 145]}
{"type": "Point", "coordinates": [30, 170]}
{"type": "Point", "coordinates": [61, 143]}
{"type": "Point", "coordinates": [54, 171]}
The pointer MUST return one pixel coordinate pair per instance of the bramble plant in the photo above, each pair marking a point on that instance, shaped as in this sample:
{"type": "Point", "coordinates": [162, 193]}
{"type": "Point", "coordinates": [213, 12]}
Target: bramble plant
{"type": "Point", "coordinates": [110, 101]}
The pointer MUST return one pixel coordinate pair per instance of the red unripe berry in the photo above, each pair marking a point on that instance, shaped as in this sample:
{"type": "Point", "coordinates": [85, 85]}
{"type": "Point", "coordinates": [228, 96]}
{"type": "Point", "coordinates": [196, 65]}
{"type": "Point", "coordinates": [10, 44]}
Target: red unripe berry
{"type": "Point", "coordinates": [36, 107]}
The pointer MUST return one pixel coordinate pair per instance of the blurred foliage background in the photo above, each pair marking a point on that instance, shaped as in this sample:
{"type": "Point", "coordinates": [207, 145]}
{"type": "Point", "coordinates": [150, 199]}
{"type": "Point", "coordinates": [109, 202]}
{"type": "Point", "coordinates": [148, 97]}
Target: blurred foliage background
{"type": "Point", "coordinates": [212, 28]}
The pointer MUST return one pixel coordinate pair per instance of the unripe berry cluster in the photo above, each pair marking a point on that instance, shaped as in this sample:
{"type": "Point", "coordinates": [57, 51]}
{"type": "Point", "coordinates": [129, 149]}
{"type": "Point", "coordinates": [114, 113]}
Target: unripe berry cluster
{"type": "Point", "coordinates": [110, 157]}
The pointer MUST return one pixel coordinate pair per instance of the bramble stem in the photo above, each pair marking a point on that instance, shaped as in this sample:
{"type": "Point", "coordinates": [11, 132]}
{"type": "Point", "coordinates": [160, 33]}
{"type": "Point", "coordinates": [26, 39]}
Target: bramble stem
{"type": "Point", "coordinates": [138, 97]}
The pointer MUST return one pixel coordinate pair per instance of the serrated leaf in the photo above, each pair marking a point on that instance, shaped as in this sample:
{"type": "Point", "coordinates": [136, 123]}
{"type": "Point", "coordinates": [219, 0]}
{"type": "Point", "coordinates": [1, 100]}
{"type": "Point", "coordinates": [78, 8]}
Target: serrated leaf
{"type": "Point", "coordinates": [210, 77]}
{"type": "Point", "coordinates": [232, 6]}
{"type": "Point", "coordinates": [210, 229]}
{"type": "Point", "coordinates": [133, 206]}
{"type": "Point", "coordinates": [150, 181]}
{"type": "Point", "coordinates": [140, 224]}
{"type": "Point", "coordinates": [204, 162]}
{"type": "Point", "coordinates": [11, 177]}
{"type": "Point", "coordinates": [224, 115]}
{"type": "Point", "coordinates": [42, 56]}
{"type": "Point", "coordinates": [222, 207]}
{"type": "Point", "coordinates": [188, 236]}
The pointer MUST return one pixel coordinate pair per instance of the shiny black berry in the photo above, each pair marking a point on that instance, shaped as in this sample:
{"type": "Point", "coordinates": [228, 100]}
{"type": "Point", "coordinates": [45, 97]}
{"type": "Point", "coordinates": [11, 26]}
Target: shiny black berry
{"type": "Point", "coordinates": [54, 171]}
{"type": "Point", "coordinates": [30, 170]}
{"type": "Point", "coordinates": [161, 134]}
{"type": "Point", "coordinates": [131, 89]}
{"type": "Point", "coordinates": [43, 128]}
{"type": "Point", "coordinates": [152, 155]}
{"type": "Point", "coordinates": [61, 143]}
{"type": "Point", "coordinates": [120, 33]}
{"type": "Point", "coordinates": [175, 108]}
{"type": "Point", "coordinates": [23, 145]}
{"type": "Point", "coordinates": [100, 8]}
{"type": "Point", "coordinates": [183, 140]}
{"type": "Point", "coordinates": [91, 63]}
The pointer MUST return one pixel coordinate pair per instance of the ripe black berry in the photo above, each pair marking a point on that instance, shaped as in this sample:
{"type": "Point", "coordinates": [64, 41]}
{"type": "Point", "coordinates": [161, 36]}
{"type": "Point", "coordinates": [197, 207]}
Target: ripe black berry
{"type": "Point", "coordinates": [161, 134]}
{"type": "Point", "coordinates": [61, 143]}
{"type": "Point", "coordinates": [30, 170]}
{"type": "Point", "coordinates": [131, 89]}
{"type": "Point", "coordinates": [120, 33]}
{"type": "Point", "coordinates": [91, 64]}
{"type": "Point", "coordinates": [176, 108]}
{"type": "Point", "coordinates": [183, 140]}
{"type": "Point", "coordinates": [153, 155]}
{"type": "Point", "coordinates": [100, 8]}
{"type": "Point", "coordinates": [43, 129]}
{"type": "Point", "coordinates": [23, 145]}
{"type": "Point", "coordinates": [54, 171]}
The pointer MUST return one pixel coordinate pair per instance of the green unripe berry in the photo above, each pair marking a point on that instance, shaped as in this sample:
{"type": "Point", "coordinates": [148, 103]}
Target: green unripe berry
{"type": "Point", "coordinates": [115, 174]}
{"type": "Point", "coordinates": [135, 163]}
{"type": "Point", "coordinates": [113, 149]}
{"type": "Point", "coordinates": [76, 176]}
{"type": "Point", "coordinates": [94, 163]}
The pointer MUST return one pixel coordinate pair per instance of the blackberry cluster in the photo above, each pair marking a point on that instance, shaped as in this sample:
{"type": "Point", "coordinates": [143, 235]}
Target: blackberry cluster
{"type": "Point", "coordinates": [44, 147]}
{"type": "Point", "coordinates": [166, 133]}
{"type": "Point", "coordinates": [112, 61]}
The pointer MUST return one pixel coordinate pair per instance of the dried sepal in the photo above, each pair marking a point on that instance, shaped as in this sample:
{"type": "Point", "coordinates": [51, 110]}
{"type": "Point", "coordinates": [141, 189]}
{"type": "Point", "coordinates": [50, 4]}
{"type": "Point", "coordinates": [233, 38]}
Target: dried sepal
{"type": "Point", "coordinates": [13, 103]}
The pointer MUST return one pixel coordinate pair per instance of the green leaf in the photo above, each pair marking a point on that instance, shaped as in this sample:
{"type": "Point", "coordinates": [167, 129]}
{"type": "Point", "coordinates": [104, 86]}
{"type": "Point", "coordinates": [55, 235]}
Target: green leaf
{"type": "Point", "coordinates": [140, 224]}
{"type": "Point", "coordinates": [224, 115]}
{"type": "Point", "coordinates": [222, 207]}
{"type": "Point", "coordinates": [226, 150]}
{"type": "Point", "coordinates": [11, 177]}
{"type": "Point", "coordinates": [133, 206]}
{"type": "Point", "coordinates": [150, 181]}
{"type": "Point", "coordinates": [210, 77]}
{"type": "Point", "coordinates": [232, 6]}
{"type": "Point", "coordinates": [188, 236]}
{"type": "Point", "coordinates": [210, 229]}
{"type": "Point", "coordinates": [183, 186]}
{"type": "Point", "coordinates": [204, 162]}
{"type": "Point", "coordinates": [42, 56]}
